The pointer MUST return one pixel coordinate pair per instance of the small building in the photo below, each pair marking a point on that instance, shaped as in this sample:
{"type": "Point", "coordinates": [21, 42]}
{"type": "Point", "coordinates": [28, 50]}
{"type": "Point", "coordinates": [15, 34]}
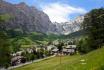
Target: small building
{"type": "Point", "coordinates": [70, 49]}
{"type": "Point", "coordinates": [29, 50]}
{"type": "Point", "coordinates": [50, 47]}
{"type": "Point", "coordinates": [19, 53]}
{"type": "Point", "coordinates": [17, 60]}
{"type": "Point", "coordinates": [55, 51]}
{"type": "Point", "coordinates": [71, 46]}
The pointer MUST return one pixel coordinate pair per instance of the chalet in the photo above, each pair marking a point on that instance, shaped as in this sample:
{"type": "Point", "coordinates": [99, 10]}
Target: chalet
{"type": "Point", "coordinates": [17, 60]}
{"type": "Point", "coordinates": [55, 51]}
{"type": "Point", "coordinates": [70, 49]}
{"type": "Point", "coordinates": [29, 50]}
{"type": "Point", "coordinates": [19, 53]}
{"type": "Point", "coordinates": [50, 47]}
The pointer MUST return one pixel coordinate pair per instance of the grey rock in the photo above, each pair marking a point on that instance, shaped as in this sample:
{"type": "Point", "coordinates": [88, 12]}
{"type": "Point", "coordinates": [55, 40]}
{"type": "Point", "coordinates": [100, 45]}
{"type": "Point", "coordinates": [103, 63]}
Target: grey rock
{"type": "Point", "coordinates": [28, 19]}
{"type": "Point", "coordinates": [69, 27]}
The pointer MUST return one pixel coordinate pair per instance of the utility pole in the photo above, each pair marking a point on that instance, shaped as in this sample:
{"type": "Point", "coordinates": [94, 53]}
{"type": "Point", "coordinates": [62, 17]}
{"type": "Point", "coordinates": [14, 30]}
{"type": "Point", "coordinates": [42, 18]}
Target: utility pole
{"type": "Point", "coordinates": [60, 57]}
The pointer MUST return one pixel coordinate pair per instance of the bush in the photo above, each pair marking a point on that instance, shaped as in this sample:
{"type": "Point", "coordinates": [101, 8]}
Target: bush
{"type": "Point", "coordinates": [32, 57]}
{"type": "Point", "coordinates": [84, 45]}
{"type": "Point", "coordinates": [47, 53]}
{"type": "Point", "coordinates": [40, 53]}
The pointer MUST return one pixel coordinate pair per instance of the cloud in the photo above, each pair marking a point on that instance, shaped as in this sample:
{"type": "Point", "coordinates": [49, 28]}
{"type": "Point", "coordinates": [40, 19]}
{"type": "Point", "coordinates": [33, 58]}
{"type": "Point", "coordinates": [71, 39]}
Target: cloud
{"type": "Point", "coordinates": [58, 12]}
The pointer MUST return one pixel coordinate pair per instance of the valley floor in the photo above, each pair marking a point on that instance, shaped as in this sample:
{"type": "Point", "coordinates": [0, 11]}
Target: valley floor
{"type": "Point", "coordinates": [91, 61]}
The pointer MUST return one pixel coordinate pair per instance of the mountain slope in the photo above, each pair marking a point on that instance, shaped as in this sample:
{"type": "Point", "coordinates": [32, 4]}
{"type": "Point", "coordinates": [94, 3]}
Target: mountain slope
{"type": "Point", "coordinates": [28, 19]}
{"type": "Point", "coordinates": [77, 34]}
{"type": "Point", "coordinates": [69, 27]}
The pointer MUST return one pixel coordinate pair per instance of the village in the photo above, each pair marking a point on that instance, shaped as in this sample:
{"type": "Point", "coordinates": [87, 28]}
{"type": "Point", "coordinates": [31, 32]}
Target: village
{"type": "Point", "coordinates": [33, 52]}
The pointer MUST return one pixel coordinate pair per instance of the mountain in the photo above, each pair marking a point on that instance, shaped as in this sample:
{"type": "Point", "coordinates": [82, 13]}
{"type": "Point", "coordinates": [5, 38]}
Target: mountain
{"type": "Point", "coordinates": [69, 27]}
{"type": "Point", "coordinates": [26, 18]}
{"type": "Point", "coordinates": [29, 19]}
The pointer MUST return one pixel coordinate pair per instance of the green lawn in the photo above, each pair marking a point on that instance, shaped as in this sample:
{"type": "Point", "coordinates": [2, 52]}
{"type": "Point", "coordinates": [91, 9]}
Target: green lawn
{"type": "Point", "coordinates": [91, 61]}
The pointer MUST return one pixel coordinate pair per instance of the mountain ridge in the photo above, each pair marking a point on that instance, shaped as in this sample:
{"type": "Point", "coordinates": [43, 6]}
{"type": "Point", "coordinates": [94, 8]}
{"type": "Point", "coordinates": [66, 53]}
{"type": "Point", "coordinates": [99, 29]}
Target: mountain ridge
{"type": "Point", "coordinates": [28, 19]}
{"type": "Point", "coordinates": [69, 27]}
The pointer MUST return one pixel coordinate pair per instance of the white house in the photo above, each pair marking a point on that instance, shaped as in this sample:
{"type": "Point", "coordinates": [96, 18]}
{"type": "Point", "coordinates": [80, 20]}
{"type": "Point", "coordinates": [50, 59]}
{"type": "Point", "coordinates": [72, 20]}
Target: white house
{"type": "Point", "coordinates": [50, 47]}
{"type": "Point", "coordinates": [55, 51]}
{"type": "Point", "coordinates": [69, 49]}
{"type": "Point", "coordinates": [71, 46]}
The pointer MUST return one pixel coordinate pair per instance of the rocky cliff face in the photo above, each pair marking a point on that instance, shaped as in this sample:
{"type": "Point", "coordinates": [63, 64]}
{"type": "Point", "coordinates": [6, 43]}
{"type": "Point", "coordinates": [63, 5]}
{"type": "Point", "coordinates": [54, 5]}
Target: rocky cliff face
{"type": "Point", "coordinates": [26, 18]}
{"type": "Point", "coordinates": [69, 27]}
{"type": "Point", "coordinates": [29, 19]}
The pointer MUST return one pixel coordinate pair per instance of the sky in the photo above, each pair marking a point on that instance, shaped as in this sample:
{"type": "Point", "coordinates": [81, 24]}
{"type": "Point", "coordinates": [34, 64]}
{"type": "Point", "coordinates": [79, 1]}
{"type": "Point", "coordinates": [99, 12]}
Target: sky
{"type": "Point", "coordinates": [63, 10]}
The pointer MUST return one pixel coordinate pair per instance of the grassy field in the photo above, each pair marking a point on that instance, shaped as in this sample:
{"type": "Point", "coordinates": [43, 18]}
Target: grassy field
{"type": "Point", "coordinates": [91, 61]}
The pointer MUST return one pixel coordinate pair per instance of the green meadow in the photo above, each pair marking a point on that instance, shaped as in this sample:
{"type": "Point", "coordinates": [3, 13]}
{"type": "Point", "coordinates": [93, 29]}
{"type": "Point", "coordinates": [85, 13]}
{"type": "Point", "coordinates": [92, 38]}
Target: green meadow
{"type": "Point", "coordinates": [91, 61]}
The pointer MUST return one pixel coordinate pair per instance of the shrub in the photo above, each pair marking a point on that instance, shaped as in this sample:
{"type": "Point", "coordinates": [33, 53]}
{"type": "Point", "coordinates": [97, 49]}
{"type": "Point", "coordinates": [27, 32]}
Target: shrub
{"type": "Point", "coordinates": [84, 45]}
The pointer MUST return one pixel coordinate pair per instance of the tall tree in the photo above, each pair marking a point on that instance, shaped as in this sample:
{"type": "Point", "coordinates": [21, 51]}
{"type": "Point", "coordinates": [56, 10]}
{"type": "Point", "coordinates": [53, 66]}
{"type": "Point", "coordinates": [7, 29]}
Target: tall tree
{"type": "Point", "coordinates": [59, 46]}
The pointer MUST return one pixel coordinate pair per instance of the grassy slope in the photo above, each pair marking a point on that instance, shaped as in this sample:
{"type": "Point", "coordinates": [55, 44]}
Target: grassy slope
{"type": "Point", "coordinates": [93, 61]}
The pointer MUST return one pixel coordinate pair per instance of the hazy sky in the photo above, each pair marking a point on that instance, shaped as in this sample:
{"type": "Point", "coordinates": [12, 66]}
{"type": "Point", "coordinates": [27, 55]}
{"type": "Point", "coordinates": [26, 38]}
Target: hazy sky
{"type": "Point", "coordinates": [63, 10]}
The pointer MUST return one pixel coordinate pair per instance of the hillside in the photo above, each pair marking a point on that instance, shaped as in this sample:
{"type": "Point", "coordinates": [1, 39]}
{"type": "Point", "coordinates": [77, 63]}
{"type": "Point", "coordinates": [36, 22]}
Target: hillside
{"type": "Point", "coordinates": [25, 18]}
{"type": "Point", "coordinates": [90, 61]}
{"type": "Point", "coordinates": [76, 34]}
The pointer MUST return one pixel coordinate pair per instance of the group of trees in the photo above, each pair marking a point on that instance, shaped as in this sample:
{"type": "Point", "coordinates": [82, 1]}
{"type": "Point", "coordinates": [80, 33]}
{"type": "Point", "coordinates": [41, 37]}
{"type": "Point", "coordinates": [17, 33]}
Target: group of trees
{"type": "Point", "coordinates": [94, 26]}
{"type": "Point", "coordinates": [40, 53]}
{"type": "Point", "coordinates": [4, 43]}
{"type": "Point", "coordinates": [4, 50]}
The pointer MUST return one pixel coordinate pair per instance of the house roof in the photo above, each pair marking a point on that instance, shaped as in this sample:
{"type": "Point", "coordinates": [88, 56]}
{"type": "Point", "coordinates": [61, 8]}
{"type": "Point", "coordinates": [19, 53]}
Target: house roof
{"type": "Point", "coordinates": [71, 46]}
{"type": "Point", "coordinates": [55, 50]}
{"type": "Point", "coordinates": [68, 50]}
{"type": "Point", "coordinates": [16, 58]}
{"type": "Point", "coordinates": [52, 46]}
